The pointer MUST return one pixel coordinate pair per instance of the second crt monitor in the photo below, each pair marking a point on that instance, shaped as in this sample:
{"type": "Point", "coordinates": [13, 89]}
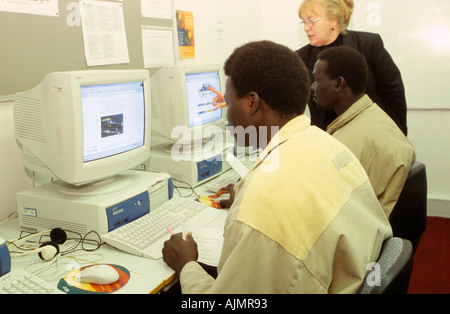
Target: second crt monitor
{"type": "Point", "coordinates": [189, 139]}
{"type": "Point", "coordinates": [181, 101]}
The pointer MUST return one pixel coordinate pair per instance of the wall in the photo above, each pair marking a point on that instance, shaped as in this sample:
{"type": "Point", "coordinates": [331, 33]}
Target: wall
{"type": "Point", "coordinates": [429, 132]}
{"type": "Point", "coordinates": [221, 26]}
{"type": "Point", "coordinates": [429, 128]}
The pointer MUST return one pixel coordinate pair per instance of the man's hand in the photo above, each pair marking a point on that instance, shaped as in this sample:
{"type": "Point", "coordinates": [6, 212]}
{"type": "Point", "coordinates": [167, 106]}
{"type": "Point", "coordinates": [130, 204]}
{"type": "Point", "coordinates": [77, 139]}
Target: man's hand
{"type": "Point", "coordinates": [219, 100]}
{"type": "Point", "coordinates": [229, 189]}
{"type": "Point", "coordinates": [177, 252]}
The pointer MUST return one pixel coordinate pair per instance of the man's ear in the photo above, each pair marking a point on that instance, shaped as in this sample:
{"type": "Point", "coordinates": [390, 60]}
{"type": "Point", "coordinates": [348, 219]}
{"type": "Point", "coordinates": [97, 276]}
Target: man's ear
{"type": "Point", "coordinates": [339, 84]}
{"type": "Point", "coordinates": [254, 102]}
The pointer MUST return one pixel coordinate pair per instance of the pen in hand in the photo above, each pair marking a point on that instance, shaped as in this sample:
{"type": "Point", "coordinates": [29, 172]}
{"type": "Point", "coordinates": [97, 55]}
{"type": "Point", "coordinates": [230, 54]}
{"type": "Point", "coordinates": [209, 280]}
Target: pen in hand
{"type": "Point", "coordinates": [189, 234]}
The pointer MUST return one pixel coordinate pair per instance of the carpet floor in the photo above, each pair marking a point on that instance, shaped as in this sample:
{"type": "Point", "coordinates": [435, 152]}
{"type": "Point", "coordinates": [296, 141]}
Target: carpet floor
{"type": "Point", "coordinates": [431, 271]}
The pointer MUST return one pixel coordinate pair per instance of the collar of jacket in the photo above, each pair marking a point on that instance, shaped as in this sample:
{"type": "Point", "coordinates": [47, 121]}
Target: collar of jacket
{"type": "Point", "coordinates": [362, 104]}
{"type": "Point", "coordinates": [291, 128]}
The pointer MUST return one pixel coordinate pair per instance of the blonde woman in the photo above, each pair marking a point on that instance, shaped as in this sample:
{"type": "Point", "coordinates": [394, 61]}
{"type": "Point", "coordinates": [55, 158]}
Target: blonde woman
{"type": "Point", "coordinates": [326, 25]}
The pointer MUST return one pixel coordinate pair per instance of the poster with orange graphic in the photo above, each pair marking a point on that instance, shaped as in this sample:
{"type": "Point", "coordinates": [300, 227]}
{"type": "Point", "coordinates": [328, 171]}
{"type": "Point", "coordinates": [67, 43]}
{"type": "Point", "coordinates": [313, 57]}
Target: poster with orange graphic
{"type": "Point", "coordinates": [186, 38]}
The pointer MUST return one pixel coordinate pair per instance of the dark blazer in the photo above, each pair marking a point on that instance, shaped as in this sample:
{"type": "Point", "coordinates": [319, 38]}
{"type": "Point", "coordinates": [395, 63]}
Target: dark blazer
{"type": "Point", "coordinates": [385, 85]}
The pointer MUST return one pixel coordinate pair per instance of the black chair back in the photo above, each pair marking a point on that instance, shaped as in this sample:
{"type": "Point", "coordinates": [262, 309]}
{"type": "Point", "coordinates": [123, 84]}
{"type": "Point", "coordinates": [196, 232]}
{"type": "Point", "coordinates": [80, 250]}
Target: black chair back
{"type": "Point", "coordinates": [409, 216]}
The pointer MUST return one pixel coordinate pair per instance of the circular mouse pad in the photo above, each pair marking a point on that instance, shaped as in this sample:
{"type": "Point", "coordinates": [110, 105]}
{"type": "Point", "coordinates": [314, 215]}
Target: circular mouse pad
{"type": "Point", "coordinates": [70, 285]}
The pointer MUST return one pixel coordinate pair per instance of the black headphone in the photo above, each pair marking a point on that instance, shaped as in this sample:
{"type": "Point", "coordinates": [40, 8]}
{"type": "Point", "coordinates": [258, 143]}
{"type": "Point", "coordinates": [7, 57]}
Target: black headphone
{"type": "Point", "coordinates": [48, 250]}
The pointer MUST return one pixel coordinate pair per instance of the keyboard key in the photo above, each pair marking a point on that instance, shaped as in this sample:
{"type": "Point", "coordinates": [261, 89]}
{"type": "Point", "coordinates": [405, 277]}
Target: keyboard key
{"type": "Point", "coordinates": [22, 282]}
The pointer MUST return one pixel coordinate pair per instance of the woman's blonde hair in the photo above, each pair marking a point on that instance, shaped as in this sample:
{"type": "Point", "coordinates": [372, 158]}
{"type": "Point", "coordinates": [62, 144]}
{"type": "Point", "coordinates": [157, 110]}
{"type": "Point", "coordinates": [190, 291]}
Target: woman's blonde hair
{"type": "Point", "coordinates": [334, 9]}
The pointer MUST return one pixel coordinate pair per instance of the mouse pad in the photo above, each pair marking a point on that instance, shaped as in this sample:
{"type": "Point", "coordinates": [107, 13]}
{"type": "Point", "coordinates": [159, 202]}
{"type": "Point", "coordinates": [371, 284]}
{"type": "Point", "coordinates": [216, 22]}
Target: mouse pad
{"type": "Point", "coordinates": [70, 285]}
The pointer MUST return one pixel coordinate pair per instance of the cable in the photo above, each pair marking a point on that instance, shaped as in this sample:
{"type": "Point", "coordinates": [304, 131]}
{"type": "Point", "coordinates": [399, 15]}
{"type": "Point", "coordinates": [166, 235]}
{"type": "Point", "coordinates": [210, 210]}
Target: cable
{"type": "Point", "coordinates": [52, 269]}
{"type": "Point", "coordinates": [75, 237]}
{"type": "Point", "coordinates": [187, 188]}
{"type": "Point", "coordinates": [83, 241]}
{"type": "Point", "coordinates": [10, 217]}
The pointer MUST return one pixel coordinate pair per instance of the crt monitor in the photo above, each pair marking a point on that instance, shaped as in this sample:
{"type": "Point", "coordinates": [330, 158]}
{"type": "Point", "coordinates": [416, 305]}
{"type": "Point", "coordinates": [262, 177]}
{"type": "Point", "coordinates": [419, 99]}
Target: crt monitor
{"type": "Point", "coordinates": [85, 126]}
{"type": "Point", "coordinates": [182, 103]}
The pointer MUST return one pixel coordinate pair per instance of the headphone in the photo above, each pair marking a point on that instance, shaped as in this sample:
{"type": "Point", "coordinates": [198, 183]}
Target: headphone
{"type": "Point", "coordinates": [48, 250]}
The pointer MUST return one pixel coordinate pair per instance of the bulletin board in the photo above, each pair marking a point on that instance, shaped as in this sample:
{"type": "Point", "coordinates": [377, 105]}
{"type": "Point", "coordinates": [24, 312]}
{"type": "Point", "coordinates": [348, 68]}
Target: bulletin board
{"type": "Point", "coordinates": [34, 45]}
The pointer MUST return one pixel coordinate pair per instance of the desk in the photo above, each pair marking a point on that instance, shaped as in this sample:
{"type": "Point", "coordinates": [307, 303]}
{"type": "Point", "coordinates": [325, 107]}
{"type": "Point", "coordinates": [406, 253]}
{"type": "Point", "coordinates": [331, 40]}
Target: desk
{"type": "Point", "coordinates": [146, 275]}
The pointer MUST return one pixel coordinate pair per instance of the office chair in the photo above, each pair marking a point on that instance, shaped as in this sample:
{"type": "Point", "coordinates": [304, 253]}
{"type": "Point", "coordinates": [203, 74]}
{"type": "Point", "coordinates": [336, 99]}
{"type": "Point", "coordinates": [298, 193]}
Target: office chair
{"type": "Point", "coordinates": [395, 267]}
{"type": "Point", "coordinates": [409, 216]}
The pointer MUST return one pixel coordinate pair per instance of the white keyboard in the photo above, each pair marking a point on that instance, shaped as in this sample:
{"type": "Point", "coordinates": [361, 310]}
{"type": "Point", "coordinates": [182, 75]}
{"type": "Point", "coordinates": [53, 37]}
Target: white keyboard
{"type": "Point", "coordinates": [222, 181]}
{"type": "Point", "coordinates": [21, 282]}
{"type": "Point", "coordinates": [146, 236]}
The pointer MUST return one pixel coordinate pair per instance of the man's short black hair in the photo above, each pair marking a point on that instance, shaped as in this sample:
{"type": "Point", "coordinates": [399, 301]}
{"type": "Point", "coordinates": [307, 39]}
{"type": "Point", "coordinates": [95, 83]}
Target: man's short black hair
{"type": "Point", "coordinates": [274, 72]}
{"type": "Point", "coordinates": [348, 63]}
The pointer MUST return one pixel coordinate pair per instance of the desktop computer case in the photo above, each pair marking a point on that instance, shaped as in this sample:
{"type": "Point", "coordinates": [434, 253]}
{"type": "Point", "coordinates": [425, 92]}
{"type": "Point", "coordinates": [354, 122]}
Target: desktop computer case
{"type": "Point", "coordinates": [45, 207]}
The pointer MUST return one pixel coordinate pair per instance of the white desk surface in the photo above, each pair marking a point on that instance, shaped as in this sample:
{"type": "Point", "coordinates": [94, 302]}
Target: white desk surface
{"type": "Point", "coordinates": [146, 275]}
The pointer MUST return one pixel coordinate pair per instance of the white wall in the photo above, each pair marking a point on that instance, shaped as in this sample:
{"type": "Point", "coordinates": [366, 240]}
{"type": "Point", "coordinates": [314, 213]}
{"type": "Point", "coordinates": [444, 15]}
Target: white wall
{"type": "Point", "coordinates": [280, 23]}
{"type": "Point", "coordinates": [429, 131]}
{"type": "Point", "coordinates": [232, 23]}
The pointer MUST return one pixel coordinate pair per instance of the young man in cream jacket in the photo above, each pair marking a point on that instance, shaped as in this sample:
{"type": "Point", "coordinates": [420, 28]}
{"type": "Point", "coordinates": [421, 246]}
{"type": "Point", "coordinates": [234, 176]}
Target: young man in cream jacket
{"type": "Point", "coordinates": [305, 219]}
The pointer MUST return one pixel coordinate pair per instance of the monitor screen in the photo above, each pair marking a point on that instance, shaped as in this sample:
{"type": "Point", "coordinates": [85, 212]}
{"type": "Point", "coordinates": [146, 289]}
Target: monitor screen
{"type": "Point", "coordinates": [113, 119]}
{"type": "Point", "coordinates": [200, 99]}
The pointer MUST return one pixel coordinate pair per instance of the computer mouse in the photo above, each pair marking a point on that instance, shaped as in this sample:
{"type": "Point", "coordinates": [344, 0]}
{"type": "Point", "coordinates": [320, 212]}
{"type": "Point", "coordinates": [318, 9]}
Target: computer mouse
{"type": "Point", "coordinates": [98, 274]}
{"type": "Point", "coordinates": [225, 196]}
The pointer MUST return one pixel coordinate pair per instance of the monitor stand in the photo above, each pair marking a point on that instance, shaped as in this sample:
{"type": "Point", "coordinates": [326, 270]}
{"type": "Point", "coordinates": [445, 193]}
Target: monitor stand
{"type": "Point", "coordinates": [186, 149]}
